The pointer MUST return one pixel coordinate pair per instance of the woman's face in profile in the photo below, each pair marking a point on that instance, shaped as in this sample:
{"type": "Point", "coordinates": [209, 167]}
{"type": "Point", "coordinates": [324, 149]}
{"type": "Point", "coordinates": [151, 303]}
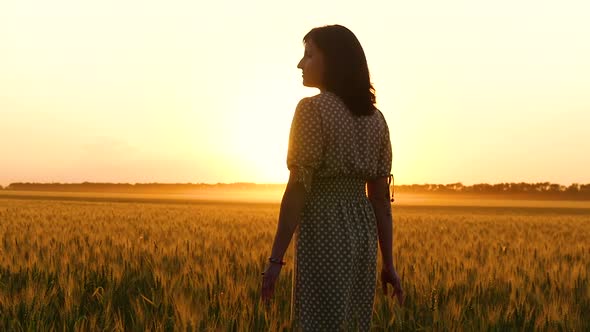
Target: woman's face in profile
{"type": "Point", "coordinates": [312, 65]}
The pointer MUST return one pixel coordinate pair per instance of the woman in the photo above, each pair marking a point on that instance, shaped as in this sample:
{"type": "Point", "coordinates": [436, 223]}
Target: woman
{"type": "Point", "coordinates": [338, 146]}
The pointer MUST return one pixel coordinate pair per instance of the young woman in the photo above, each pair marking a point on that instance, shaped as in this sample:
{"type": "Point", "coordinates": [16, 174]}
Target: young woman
{"type": "Point", "coordinates": [337, 198]}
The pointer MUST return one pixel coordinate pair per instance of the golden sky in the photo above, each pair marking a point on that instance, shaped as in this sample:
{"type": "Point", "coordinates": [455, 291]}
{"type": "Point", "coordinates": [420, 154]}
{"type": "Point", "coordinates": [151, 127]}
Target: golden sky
{"type": "Point", "coordinates": [191, 91]}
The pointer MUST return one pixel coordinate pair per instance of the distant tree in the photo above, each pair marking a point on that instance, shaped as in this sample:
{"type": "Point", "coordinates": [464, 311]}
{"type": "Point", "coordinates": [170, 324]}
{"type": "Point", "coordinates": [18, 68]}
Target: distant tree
{"type": "Point", "coordinates": [481, 188]}
{"type": "Point", "coordinates": [498, 187]}
{"type": "Point", "coordinates": [454, 187]}
{"type": "Point", "coordinates": [574, 188]}
{"type": "Point", "coordinates": [543, 186]}
{"type": "Point", "coordinates": [554, 188]}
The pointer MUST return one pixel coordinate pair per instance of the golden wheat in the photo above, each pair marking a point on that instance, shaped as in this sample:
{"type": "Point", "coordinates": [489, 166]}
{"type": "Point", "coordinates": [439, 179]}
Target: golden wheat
{"type": "Point", "coordinates": [78, 265]}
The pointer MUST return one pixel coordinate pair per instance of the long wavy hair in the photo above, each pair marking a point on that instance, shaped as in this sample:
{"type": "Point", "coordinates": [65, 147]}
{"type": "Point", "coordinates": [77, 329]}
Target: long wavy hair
{"type": "Point", "coordinates": [345, 67]}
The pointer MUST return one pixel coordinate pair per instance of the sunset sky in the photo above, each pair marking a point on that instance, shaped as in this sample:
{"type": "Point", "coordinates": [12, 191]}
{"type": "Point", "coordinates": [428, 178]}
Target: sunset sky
{"type": "Point", "coordinates": [191, 91]}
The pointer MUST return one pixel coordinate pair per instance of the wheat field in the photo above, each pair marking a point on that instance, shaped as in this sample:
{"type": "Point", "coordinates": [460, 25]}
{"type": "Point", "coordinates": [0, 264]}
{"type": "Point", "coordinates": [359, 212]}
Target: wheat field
{"type": "Point", "coordinates": [162, 266]}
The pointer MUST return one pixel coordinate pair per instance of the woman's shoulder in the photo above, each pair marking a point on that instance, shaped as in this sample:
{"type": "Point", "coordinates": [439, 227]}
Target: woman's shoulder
{"type": "Point", "coordinates": [320, 102]}
{"type": "Point", "coordinates": [323, 100]}
{"type": "Point", "coordinates": [380, 114]}
{"type": "Point", "coordinates": [381, 118]}
{"type": "Point", "coordinates": [327, 97]}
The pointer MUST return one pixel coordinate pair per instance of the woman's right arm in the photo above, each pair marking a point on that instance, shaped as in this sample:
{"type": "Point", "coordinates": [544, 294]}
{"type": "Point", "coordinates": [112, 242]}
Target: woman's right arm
{"type": "Point", "coordinates": [378, 193]}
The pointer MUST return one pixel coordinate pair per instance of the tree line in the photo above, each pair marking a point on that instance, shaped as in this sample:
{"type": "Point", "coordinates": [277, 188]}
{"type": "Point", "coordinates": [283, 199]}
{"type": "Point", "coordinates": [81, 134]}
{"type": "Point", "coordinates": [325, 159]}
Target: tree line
{"type": "Point", "coordinates": [137, 187]}
{"type": "Point", "coordinates": [541, 189]}
{"type": "Point", "coordinates": [575, 190]}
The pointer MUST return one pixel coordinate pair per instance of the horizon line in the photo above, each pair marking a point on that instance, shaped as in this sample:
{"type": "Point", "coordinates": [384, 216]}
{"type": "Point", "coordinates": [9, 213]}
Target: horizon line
{"type": "Point", "coordinates": [265, 183]}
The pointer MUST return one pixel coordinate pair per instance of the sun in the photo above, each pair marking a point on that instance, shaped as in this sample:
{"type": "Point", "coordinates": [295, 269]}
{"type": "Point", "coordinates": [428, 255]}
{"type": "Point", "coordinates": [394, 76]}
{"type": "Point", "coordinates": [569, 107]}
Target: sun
{"type": "Point", "coordinates": [259, 133]}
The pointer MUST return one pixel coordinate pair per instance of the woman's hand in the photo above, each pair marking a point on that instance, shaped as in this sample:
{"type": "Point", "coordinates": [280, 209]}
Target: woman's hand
{"type": "Point", "coordinates": [269, 279]}
{"type": "Point", "coordinates": [389, 276]}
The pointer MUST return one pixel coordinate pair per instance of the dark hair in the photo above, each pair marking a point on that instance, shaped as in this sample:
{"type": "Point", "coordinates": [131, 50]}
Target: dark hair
{"type": "Point", "coordinates": [345, 67]}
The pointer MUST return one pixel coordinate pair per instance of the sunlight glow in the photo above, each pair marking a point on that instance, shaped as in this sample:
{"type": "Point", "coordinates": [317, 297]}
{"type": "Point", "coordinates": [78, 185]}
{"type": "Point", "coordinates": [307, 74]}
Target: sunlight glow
{"type": "Point", "coordinates": [186, 92]}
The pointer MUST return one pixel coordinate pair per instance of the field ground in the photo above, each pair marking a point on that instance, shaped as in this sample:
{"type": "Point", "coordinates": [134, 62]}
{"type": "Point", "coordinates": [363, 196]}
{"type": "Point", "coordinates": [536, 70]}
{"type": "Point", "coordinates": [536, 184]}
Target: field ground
{"type": "Point", "coordinates": [128, 262]}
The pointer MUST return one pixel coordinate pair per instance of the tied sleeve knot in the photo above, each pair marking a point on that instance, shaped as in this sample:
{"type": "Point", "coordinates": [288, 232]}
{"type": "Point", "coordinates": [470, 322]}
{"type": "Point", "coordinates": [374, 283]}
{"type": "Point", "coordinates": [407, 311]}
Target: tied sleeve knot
{"type": "Point", "coordinates": [303, 176]}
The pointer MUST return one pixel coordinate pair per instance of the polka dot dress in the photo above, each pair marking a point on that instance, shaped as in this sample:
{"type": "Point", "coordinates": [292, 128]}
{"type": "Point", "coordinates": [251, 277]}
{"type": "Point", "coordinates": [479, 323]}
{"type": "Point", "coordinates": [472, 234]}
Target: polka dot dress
{"type": "Point", "coordinates": [333, 153]}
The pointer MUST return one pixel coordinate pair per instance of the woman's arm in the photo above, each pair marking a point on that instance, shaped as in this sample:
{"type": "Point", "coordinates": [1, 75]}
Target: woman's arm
{"type": "Point", "coordinates": [378, 193]}
{"type": "Point", "coordinates": [289, 216]}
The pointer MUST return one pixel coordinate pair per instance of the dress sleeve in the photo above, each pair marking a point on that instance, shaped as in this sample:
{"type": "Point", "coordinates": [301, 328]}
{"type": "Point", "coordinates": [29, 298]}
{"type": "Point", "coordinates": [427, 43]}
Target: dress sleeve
{"type": "Point", "coordinates": [305, 143]}
{"type": "Point", "coordinates": [385, 155]}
